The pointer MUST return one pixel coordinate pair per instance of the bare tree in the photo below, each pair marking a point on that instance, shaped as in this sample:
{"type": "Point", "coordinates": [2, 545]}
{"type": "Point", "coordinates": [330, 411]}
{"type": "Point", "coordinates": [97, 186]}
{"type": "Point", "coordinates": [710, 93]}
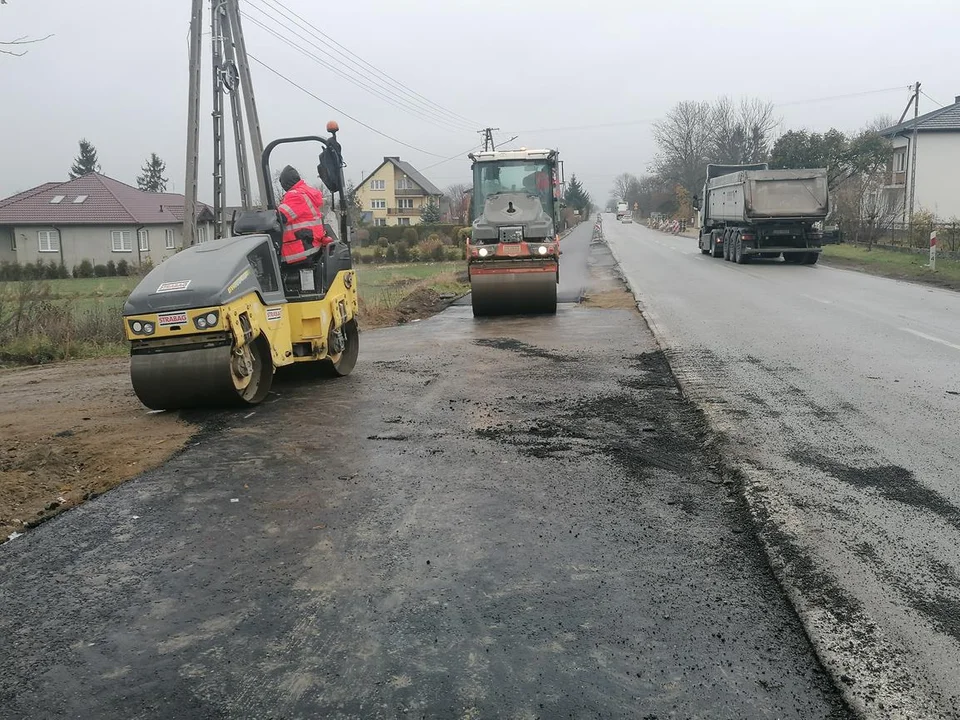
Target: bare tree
{"type": "Point", "coordinates": [684, 144]}
{"type": "Point", "coordinates": [458, 194]}
{"type": "Point", "coordinates": [741, 133]}
{"type": "Point", "coordinates": [13, 47]}
{"type": "Point", "coordinates": [623, 184]}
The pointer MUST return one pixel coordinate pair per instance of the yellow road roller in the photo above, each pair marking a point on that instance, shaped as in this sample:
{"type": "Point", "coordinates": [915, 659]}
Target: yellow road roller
{"type": "Point", "coordinates": [513, 255]}
{"type": "Point", "coordinates": [209, 326]}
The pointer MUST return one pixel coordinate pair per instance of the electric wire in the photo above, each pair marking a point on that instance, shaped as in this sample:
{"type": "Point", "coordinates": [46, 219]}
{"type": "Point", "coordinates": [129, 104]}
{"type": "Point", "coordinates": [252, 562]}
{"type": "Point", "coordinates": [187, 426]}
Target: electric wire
{"type": "Point", "coordinates": [395, 102]}
{"type": "Point", "coordinates": [648, 121]}
{"type": "Point", "coordinates": [336, 109]}
{"type": "Point", "coordinates": [454, 157]}
{"type": "Point", "coordinates": [373, 73]}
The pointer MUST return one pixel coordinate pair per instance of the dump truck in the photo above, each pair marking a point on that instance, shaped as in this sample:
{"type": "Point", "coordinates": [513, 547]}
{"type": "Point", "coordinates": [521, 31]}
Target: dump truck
{"type": "Point", "coordinates": [621, 209]}
{"type": "Point", "coordinates": [749, 211]}
{"type": "Point", "coordinates": [513, 253]}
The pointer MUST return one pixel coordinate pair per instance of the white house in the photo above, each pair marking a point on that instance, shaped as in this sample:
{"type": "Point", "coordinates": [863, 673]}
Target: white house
{"type": "Point", "coordinates": [94, 218]}
{"type": "Point", "coordinates": [938, 163]}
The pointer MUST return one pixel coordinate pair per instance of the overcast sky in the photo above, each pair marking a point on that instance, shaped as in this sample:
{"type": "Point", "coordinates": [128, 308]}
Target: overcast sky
{"type": "Point", "coordinates": [115, 72]}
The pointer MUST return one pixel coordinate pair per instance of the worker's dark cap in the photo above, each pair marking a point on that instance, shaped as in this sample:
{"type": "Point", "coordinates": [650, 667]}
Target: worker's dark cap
{"type": "Point", "coordinates": [289, 177]}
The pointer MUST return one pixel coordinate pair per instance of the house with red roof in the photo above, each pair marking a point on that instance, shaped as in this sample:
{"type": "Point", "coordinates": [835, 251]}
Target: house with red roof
{"type": "Point", "coordinates": [94, 218]}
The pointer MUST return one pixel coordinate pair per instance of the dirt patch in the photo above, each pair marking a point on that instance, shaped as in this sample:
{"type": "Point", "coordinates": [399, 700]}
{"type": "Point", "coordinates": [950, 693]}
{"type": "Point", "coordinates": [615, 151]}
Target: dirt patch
{"type": "Point", "coordinates": [610, 300]}
{"type": "Point", "coordinates": [607, 290]}
{"type": "Point", "coordinates": [420, 304]}
{"type": "Point", "coordinates": [72, 431]}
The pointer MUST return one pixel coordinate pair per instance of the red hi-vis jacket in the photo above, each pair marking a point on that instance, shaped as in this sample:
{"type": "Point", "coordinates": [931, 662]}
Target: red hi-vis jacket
{"type": "Point", "coordinates": [300, 208]}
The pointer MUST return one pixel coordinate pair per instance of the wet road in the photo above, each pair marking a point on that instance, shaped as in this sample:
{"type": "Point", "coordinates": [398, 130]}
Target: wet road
{"type": "Point", "coordinates": [502, 518]}
{"type": "Point", "coordinates": [840, 395]}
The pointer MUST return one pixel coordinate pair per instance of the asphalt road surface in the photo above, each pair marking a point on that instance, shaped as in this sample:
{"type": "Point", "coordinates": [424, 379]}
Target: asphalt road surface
{"type": "Point", "coordinates": [839, 394]}
{"type": "Point", "coordinates": [508, 518]}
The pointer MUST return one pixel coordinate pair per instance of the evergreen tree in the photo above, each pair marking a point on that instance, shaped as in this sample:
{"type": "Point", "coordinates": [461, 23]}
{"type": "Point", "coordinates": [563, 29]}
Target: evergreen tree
{"type": "Point", "coordinates": [431, 213]}
{"type": "Point", "coordinates": [576, 197]}
{"type": "Point", "coordinates": [86, 162]}
{"type": "Point", "coordinates": [152, 179]}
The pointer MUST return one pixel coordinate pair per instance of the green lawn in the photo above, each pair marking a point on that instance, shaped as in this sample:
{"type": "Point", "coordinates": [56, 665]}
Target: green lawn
{"type": "Point", "coordinates": [902, 266]}
{"type": "Point", "coordinates": [82, 318]}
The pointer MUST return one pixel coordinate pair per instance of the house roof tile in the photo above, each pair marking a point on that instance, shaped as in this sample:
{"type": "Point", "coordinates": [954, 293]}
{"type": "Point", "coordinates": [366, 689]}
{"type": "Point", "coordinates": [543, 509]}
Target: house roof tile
{"type": "Point", "coordinates": [428, 187]}
{"type": "Point", "coordinates": [946, 118]}
{"type": "Point", "coordinates": [106, 202]}
{"type": "Point", "coordinates": [27, 193]}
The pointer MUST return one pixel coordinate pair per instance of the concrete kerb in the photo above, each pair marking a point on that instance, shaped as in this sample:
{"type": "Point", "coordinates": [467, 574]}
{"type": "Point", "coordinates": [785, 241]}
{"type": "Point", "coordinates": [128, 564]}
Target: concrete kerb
{"type": "Point", "coordinates": [887, 694]}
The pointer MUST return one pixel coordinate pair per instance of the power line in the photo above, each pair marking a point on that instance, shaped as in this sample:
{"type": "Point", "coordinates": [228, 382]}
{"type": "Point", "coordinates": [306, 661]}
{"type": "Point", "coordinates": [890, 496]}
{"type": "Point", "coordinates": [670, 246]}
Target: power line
{"type": "Point", "coordinates": [839, 97]}
{"type": "Point", "coordinates": [287, 13]}
{"type": "Point", "coordinates": [647, 121]}
{"type": "Point", "coordinates": [280, 75]}
{"type": "Point", "coordinates": [454, 157]}
{"type": "Point", "coordinates": [413, 110]}
{"type": "Point", "coordinates": [586, 127]}
{"type": "Point", "coordinates": [939, 104]}
{"type": "Point", "coordinates": [365, 81]}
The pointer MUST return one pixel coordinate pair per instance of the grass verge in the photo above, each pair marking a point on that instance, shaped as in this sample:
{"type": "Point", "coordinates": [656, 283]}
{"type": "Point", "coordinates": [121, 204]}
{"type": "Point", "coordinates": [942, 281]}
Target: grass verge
{"type": "Point", "coordinates": [48, 321]}
{"type": "Point", "coordinates": [891, 264]}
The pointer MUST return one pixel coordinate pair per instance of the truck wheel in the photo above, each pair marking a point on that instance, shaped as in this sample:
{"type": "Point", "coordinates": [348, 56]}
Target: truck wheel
{"type": "Point", "coordinates": [714, 252]}
{"type": "Point", "coordinates": [812, 258]}
{"type": "Point", "coordinates": [705, 250]}
{"type": "Point", "coordinates": [739, 257]}
{"type": "Point", "coordinates": [726, 246]}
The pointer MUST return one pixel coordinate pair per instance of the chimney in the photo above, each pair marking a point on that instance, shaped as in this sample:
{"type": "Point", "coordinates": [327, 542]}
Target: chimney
{"type": "Point", "coordinates": [956, 99]}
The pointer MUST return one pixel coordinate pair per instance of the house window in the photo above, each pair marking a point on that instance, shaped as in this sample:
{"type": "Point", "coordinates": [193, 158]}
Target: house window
{"type": "Point", "coordinates": [405, 203]}
{"type": "Point", "coordinates": [380, 222]}
{"type": "Point", "coordinates": [121, 241]}
{"type": "Point", "coordinates": [168, 239]}
{"type": "Point", "coordinates": [900, 162]}
{"type": "Point", "coordinates": [380, 204]}
{"type": "Point", "coordinates": [406, 183]}
{"type": "Point", "coordinates": [403, 221]}
{"type": "Point", "coordinates": [201, 234]}
{"type": "Point", "coordinates": [78, 200]}
{"type": "Point", "coordinates": [57, 199]}
{"type": "Point", "coordinates": [378, 184]}
{"type": "Point", "coordinates": [143, 236]}
{"type": "Point", "coordinates": [48, 241]}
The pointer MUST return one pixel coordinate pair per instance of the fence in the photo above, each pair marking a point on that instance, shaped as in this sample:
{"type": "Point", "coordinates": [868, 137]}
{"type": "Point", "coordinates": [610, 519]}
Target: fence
{"type": "Point", "coordinates": [904, 236]}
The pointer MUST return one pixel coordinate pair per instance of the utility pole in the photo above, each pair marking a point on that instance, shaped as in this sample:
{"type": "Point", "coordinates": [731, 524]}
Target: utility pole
{"type": "Point", "coordinates": [246, 86]}
{"type": "Point", "coordinates": [488, 143]}
{"type": "Point", "coordinates": [231, 74]}
{"type": "Point", "coordinates": [193, 128]}
{"type": "Point", "coordinates": [913, 149]}
{"type": "Point", "coordinates": [231, 81]}
{"type": "Point", "coordinates": [219, 142]}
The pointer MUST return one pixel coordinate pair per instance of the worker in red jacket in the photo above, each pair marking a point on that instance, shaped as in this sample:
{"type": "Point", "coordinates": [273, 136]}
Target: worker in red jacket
{"type": "Point", "coordinates": [303, 223]}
